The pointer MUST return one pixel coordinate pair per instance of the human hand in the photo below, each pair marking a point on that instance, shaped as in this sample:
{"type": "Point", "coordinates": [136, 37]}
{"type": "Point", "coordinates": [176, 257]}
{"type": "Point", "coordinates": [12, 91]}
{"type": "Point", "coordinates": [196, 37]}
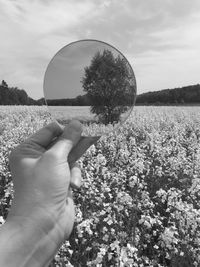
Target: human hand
{"type": "Point", "coordinates": [43, 208]}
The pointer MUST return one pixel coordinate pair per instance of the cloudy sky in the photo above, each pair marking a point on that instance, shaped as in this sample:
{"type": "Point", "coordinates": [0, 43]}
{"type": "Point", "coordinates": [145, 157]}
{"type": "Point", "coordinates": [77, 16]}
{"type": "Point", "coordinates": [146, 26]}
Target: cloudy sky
{"type": "Point", "coordinates": [160, 38]}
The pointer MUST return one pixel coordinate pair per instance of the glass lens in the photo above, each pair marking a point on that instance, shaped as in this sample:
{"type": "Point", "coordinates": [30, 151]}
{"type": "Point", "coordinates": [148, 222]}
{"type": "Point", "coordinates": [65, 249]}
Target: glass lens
{"type": "Point", "coordinates": [92, 82]}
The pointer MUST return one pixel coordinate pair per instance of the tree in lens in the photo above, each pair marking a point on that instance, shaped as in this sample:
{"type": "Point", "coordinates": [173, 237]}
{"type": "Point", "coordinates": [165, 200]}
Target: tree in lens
{"type": "Point", "coordinates": [109, 83]}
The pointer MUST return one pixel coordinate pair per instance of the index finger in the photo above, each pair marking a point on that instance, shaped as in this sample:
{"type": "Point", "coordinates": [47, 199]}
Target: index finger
{"type": "Point", "coordinates": [83, 144]}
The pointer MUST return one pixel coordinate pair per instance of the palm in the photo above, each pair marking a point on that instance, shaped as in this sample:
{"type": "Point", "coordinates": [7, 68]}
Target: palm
{"type": "Point", "coordinates": [42, 177]}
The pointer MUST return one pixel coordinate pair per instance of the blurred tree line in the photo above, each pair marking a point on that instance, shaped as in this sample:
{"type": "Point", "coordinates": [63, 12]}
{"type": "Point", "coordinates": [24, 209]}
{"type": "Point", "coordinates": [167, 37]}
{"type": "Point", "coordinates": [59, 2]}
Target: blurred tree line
{"type": "Point", "coordinates": [182, 95]}
{"type": "Point", "coordinates": [178, 96]}
{"type": "Point", "coordinates": [80, 100]}
{"type": "Point", "coordinates": [187, 95]}
{"type": "Point", "coordinates": [16, 96]}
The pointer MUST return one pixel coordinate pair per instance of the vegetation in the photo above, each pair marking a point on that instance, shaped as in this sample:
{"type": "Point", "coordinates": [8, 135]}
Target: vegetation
{"type": "Point", "coordinates": [188, 95]}
{"type": "Point", "coordinates": [140, 200]}
{"type": "Point", "coordinates": [184, 95]}
{"type": "Point", "coordinates": [110, 86]}
{"type": "Point", "coordinates": [81, 100]}
{"type": "Point", "coordinates": [15, 96]}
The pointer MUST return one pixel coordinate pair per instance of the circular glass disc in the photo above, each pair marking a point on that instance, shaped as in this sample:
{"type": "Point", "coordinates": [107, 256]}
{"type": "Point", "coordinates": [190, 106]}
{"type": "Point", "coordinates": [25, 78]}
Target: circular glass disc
{"type": "Point", "coordinates": [92, 82]}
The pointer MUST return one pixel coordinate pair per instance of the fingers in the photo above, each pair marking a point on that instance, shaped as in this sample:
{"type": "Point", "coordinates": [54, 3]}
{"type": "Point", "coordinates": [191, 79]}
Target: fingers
{"type": "Point", "coordinates": [78, 150]}
{"type": "Point", "coordinates": [44, 136]}
{"type": "Point", "coordinates": [76, 179]}
{"type": "Point", "coordinates": [68, 139]}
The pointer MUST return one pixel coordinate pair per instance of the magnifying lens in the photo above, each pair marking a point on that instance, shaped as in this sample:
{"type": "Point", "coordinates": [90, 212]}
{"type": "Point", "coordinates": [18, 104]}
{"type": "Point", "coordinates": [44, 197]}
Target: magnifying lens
{"type": "Point", "coordinates": [92, 82]}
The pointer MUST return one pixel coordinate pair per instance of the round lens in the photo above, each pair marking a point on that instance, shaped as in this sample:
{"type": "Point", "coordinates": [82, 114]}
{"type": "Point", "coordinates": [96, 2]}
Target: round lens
{"type": "Point", "coordinates": [92, 82]}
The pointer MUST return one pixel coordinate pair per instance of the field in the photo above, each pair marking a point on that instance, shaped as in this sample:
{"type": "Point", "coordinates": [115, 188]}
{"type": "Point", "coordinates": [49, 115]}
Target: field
{"type": "Point", "coordinates": [140, 201]}
{"type": "Point", "coordinates": [60, 111]}
{"type": "Point", "coordinates": [64, 114]}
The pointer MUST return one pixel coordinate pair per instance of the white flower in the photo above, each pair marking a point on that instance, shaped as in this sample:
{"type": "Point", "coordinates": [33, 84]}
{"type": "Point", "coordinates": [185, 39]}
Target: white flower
{"type": "Point", "coordinates": [2, 221]}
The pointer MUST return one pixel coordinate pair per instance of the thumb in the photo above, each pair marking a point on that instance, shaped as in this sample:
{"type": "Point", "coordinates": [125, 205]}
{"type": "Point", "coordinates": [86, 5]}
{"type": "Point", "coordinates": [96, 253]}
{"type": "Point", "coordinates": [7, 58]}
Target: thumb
{"type": "Point", "coordinates": [69, 138]}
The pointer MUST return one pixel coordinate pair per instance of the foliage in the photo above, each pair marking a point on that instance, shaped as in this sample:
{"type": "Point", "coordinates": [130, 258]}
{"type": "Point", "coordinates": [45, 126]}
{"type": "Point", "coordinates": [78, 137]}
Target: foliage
{"type": "Point", "coordinates": [15, 96]}
{"type": "Point", "coordinates": [4, 83]}
{"type": "Point", "coordinates": [139, 203]}
{"type": "Point", "coordinates": [109, 84]}
{"type": "Point", "coordinates": [184, 95]}
{"type": "Point", "coordinates": [80, 100]}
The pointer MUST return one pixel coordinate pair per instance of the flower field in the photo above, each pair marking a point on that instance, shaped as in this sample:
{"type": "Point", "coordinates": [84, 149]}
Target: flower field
{"type": "Point", "coordinates": [140, 201]}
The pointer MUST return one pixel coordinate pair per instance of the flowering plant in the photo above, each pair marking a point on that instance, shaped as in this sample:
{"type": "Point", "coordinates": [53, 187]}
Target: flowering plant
{"type": "Point", "coordinates": [139, 203]}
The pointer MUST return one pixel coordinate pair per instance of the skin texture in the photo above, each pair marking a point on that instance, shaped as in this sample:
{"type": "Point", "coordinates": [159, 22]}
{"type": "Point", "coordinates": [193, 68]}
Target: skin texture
{"type": "Point", "coordinates": [42, 214]}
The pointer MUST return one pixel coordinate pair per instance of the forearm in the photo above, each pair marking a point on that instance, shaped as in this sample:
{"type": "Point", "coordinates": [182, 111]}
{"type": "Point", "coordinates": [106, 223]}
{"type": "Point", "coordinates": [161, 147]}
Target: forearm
{"type": "Point", "coordinates": [22, 244]}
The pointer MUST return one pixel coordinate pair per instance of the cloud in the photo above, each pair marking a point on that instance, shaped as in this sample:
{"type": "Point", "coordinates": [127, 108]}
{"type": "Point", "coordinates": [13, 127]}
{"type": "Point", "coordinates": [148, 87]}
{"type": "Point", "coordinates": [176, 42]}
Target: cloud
{"type": "Point", "coordinates": [137, 24]}
{"type": "Point", "coordinates": [42, 17]}
{"type": "Point", "coordinates": [30, 32]}
{"type": "Point", "coordinates": [155, 36]}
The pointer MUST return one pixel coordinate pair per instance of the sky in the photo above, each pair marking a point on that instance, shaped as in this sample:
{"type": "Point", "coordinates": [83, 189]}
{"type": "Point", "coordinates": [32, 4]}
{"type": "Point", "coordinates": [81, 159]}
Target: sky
{"type": "Point", "coordinates": [160, 39]}
{"type": "Point", "coordinates": [66, 70]}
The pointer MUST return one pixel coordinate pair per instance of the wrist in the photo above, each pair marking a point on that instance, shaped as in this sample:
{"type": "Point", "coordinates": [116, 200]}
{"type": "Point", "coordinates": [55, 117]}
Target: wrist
{"type": "Point", "coordinates": [25, 243]}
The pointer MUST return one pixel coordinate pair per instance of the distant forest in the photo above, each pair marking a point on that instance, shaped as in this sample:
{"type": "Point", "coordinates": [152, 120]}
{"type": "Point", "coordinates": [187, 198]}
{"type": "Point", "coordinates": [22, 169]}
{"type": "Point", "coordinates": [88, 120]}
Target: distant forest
{"type": "Point", "coordinates": [16, 96]}
{"type": "Point", "coordinates": [189, 95]}
{"type": "Point", "coordinates": [182, 95]}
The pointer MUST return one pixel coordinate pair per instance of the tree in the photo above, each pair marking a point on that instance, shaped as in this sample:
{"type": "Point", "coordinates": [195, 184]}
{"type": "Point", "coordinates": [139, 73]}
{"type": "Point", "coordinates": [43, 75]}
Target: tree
{"type": "Point", "coordinates": [4, 84]}
{"type": "Point", "coordinates": [110, 86]}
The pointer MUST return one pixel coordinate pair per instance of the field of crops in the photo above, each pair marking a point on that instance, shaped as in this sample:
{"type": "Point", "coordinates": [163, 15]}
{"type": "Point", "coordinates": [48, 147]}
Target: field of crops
{"type": "Point", "coordinates": [140, 201]}
{"type": "Point", "coordinates": [63, 114]}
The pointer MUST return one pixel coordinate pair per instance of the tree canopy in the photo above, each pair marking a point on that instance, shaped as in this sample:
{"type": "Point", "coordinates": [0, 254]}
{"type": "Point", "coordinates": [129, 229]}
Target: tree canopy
{"type": "Point", "coordinates": [15, 96]}
{"type": "Point", "coordinates": [110, 85]}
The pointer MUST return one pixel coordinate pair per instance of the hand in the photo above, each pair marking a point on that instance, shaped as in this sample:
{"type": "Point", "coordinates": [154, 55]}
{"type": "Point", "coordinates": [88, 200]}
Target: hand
{"type": "Point", "coordinates": [43, 208]}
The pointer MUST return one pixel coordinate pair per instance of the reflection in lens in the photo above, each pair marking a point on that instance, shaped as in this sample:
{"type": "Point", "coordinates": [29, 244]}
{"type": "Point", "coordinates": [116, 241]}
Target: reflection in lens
{"type": "Point", "coordinates": [92, 82]}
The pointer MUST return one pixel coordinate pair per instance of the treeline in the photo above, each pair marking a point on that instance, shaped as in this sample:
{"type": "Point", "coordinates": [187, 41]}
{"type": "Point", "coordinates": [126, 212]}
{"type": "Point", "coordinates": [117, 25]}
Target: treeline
{"type": "Point", "coordinates": [83, 100]}
{"type": "Point", "coordinates": [182, 95]}
{"type": "Point", "coordinates": [16, 96]}
{"type": "Point", "coordinates": [77, 101]}
{"type": "Point", "coordinates": [178, 96]}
